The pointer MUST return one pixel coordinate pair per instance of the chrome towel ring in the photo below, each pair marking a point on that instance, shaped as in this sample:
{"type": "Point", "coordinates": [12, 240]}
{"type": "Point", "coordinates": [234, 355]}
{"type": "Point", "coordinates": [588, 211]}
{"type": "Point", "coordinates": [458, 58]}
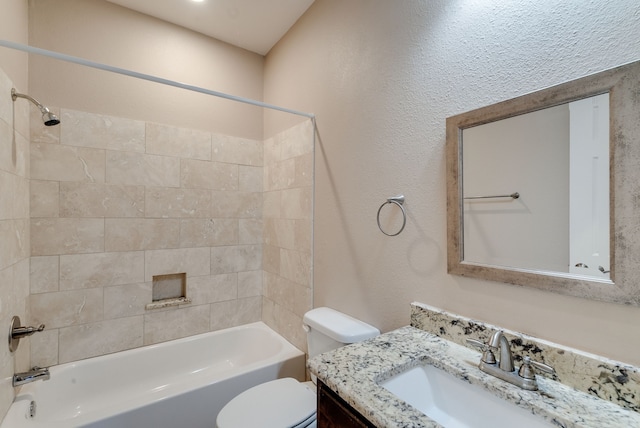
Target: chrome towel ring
{"type": "Point", "coordinates": [399, 201]}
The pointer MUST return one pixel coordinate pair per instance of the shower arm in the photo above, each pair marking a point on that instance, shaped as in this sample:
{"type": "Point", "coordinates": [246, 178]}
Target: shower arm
{"type": "Point", "coordinates": [15, 95]}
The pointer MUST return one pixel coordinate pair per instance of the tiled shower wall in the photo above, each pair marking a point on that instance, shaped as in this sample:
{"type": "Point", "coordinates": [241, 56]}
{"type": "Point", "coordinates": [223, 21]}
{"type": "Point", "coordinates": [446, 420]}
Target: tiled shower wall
{"type": "Point", "coordinates": [116, 201]}
{"type": "Point", "coordinates": [288, 209]}
{"type": "Point", "coordinates": [14, 231]}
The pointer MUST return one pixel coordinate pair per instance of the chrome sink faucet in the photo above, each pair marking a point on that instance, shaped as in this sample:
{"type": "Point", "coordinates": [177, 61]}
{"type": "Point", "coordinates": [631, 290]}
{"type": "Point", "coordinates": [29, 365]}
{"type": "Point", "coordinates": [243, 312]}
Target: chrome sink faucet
{"type": "Point", "coordinates": [499, 341]}
{"type": "Point", "coordinates": [504, 369]}
{"type": "Point", "coordinates": [32, 375]}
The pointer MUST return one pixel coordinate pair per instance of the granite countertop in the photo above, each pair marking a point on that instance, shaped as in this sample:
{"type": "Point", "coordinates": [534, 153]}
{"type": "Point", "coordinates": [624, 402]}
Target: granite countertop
{"type": "Point", "coordinates": [354, 371]}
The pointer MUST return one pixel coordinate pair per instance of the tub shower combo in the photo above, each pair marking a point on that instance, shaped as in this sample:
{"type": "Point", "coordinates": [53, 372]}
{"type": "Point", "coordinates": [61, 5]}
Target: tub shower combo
{"type": "Point", "coordinates": [180, 382]}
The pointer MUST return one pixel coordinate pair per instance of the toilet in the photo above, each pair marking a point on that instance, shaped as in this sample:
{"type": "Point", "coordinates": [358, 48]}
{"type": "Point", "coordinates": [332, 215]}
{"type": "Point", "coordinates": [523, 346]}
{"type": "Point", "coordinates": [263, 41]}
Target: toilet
{"type": "Point", "coordinates": [288, 403]}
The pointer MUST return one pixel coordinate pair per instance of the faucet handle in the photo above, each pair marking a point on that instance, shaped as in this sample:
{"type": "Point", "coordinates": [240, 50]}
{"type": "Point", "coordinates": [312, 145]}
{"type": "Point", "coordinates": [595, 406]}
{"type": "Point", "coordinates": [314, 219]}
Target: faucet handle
{"type": "Point", "coordinates": [526, 370]}
{"type": "Point", "coordinates": [487, 353]}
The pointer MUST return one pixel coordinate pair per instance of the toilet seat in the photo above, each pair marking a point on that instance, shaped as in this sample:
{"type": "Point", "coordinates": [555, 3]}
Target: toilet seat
{"type": "Point", "coordinates": [281, 403]}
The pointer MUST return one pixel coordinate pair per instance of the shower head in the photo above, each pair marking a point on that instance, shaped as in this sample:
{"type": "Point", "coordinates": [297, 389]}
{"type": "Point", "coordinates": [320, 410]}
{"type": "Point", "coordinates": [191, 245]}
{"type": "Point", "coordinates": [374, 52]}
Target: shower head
{"type": "Point", "coordinates": [48, 118]}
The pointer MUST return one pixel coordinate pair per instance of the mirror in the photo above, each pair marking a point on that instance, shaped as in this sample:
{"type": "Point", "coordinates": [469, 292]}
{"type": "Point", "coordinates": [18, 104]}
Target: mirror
{"type": "Point", "coordinates": [540, 190]}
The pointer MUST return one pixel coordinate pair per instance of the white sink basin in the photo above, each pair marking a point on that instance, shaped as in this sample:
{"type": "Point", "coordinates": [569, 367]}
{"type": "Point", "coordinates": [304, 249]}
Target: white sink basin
{"type": "Point", "coordinates": [454, 403]}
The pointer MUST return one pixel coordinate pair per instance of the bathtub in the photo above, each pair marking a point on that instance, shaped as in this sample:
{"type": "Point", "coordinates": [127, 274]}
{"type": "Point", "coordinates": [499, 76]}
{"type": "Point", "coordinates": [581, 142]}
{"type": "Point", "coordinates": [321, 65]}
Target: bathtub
{"type": "Point", "coordinates": [181, 383]}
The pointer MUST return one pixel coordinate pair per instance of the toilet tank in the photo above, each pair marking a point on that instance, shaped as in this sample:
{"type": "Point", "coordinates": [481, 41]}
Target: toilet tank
{"type": "Point", "coordinates": [329, 329]}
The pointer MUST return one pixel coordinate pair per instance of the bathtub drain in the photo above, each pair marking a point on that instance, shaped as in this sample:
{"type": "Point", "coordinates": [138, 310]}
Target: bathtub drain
{"type": "Point", "coordinates": [32, 409]}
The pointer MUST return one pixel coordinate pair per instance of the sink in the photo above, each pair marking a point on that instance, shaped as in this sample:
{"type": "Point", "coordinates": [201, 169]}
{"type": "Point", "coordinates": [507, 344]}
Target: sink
{"type": "Point", "coordinates": [454, 403]}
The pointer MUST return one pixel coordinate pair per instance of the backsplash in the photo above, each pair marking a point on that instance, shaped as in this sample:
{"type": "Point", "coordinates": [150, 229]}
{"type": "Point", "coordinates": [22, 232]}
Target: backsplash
{"type": "Point", "coordinates": [604, 378]}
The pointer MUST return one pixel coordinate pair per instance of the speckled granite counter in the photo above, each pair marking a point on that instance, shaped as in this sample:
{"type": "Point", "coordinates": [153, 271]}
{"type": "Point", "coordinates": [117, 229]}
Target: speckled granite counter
{"type": "Point", "coordinates": [354, 371]}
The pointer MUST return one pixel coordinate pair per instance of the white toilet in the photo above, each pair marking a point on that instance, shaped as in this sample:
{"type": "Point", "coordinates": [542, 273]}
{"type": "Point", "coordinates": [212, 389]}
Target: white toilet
{"type": "Point", "coordinates": [287, 403]}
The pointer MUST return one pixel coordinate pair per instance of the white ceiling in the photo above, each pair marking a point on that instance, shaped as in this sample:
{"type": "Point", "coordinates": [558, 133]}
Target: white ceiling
{"type": "Point", "coordinates": [255, 25]}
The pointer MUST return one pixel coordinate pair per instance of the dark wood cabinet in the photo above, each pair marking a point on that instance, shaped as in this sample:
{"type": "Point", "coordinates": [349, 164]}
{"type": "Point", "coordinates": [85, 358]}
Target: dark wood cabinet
{"type": "Point", "coordinates": [334, 412]}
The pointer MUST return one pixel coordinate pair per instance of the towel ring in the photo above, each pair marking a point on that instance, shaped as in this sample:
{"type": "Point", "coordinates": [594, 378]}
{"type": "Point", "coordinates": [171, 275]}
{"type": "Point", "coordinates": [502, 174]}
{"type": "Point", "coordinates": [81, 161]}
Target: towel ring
{"type": "Point", "coordinates": [399, 201]}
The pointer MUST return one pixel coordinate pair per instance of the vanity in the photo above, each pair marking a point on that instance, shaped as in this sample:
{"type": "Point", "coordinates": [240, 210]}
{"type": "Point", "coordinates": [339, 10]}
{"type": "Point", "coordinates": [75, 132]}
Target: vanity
{"type": "Point", "coordinates": [354, 381]}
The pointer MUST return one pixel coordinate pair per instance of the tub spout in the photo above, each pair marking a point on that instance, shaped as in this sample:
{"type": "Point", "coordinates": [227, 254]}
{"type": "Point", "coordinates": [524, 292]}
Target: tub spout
{"type": "Point", "coordinates": [32, 375]}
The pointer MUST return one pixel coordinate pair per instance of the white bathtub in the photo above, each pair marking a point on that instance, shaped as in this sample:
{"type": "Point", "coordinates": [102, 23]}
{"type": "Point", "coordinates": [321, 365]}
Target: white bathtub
{"type": "Point", "coordinates": [182, 383]}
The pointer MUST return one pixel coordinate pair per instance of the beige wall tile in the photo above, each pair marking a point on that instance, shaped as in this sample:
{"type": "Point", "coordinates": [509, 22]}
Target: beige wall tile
{"type": "Point", "coordinates": [235, 312]}
{"type": "Point", "coordinates": [66, 308]}
{"type": "Point", "coordinates": [250, 178]}
{"type": "Point", "coordinates": [271, 259]}
{"type": "Point", "coordinates": [212, 288]}
{"type": "Point", "coordinates": [56, 162]}
{"type": "Point", "coordinates": [236, 150]}
{"type": "Point", "coordinates": [272, 204]}
{"type": "Point", "coordinates": [14, 151]}
{"type": "Point", "coordinates": [278, 289]}
{"type": "Point", "coordinates": [15, 241]}
{"type": "Point", "coordinates": [44, 198]}
{"type": "Point", "coordinates": [66, 236]}
{"type": "Point", "coordinates": [7, 147]}
{"type": "Point", "coordinates": [178, 142]}
{"type": "Point", "coordinates": [40, 133]}
{"type": "Point", "coordinates": [303, 235]}
{"type": "Point", "coordinates": [280, 175]}
{"type": "Point", "coordinates": [209, 175]}
{"type": "Point", "coordinates": [7, 194]}
{"type": "Point", "coordinates": [208, 232]}
{"type": "Point", "coordinates": [295, 266]}
{"type": "Point", "coordinates": [126, 300]}
{"type": "Point", "coordinates": [81, 199]}
{"type": "Point", "coordinates": [250, 283]}
{"type": "Point", "coordinates": [297, 140]}
{"type": "Point", "coordinates": [279, 232]}
{"type": "Point", "coordinates": [44, 274]}
{"type": "Point", "coordinates": [173, 324]}
{"type": "Point", "coordinates": [236, 258]}
{"type": "Point", "coordinates": [302, 299]}
{"type": "Point", "coordinates": [176, 203]}
{"type": "Point", "coordinates": [44, 348]}
{"type": "Point", "coordinates": [124, 234]}
{"type": "Point", "coordinates": [192, 261]}
{"type": "Point", "coordinates": [285, 322]}
{"type": "Point", "coordinates": [100, 338]}
{"type": "Point", "coordinates": [236, 204]}
{"type": "Point", "coordinates": [250, 231]}
{"type": "Point", "coordinates": [139, 169]}
{"type": "Point", "coordinates": [297, 203]}
{"type": "Point", "coordinates": [303, 171]}
{"type": "Point", "coordinates": [271, 151]}
{"type": "Point", "coordinates": [101, 132]}
{"type": "Point", "coordinates": [20, 203]}
{"type": "Point", "coordinates": [101, 269]}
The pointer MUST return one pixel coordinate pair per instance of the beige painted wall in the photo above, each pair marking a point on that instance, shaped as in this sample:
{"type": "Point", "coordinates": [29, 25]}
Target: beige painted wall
{"type": "Point", "coordinates": [100, 31]}
{"type": "Point", "coordinates": [13, 27]}
{"type": "Point", "coordinates": [382, 77]}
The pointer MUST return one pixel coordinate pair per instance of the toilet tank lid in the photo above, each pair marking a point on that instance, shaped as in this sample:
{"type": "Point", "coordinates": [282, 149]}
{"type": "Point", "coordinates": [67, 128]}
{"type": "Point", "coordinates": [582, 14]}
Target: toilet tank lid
{"type": "Point", "coordinates": [339, 326]}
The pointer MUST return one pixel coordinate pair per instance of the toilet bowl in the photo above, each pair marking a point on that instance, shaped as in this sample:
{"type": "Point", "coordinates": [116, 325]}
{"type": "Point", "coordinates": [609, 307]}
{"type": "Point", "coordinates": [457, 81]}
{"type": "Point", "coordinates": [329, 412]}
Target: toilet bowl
{"type": "Point", "coordinates": [288, 403]}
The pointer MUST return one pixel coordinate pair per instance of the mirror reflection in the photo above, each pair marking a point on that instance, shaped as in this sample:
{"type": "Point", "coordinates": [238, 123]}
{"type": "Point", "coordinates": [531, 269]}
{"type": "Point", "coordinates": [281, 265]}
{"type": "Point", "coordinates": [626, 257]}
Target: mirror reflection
{"type": "Point", "coordinates": [535, 190]}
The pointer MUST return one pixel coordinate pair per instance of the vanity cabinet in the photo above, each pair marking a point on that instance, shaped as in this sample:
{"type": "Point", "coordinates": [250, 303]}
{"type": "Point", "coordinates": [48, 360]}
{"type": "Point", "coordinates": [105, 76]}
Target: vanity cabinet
{"type": "Point", "coordinates": [334, 412]}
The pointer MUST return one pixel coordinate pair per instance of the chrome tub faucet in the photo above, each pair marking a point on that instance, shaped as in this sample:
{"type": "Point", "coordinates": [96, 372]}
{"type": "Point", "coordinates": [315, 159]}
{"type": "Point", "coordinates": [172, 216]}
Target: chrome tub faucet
{"type": "Point", "coordinates": [504, 369]}
{"type": "Point", "coordinates": [32, 375]}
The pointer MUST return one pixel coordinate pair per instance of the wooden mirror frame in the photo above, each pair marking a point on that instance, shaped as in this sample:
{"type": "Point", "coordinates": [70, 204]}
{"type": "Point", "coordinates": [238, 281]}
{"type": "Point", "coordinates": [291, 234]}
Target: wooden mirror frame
{"type": "Point", "coordinates": [623, 85]}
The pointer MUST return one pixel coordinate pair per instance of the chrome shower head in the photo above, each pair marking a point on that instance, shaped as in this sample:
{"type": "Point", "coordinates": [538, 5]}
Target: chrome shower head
{"type": "Point", "coordinates": [48, 118]}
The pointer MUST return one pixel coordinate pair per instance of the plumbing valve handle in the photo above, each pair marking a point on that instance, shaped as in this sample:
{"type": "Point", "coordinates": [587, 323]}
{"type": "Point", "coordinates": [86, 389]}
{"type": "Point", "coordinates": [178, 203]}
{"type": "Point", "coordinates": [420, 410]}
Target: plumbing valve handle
{"type": "Point", "coordinates": [526, 370]}
{"type": "Point", "coordinates": [487, 353]}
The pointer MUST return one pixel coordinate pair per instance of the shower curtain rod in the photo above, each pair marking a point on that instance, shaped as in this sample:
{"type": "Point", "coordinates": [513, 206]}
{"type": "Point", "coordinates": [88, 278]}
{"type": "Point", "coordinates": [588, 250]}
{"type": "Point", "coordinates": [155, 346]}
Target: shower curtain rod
{"type": "Point", "coordinates": [117, 70]}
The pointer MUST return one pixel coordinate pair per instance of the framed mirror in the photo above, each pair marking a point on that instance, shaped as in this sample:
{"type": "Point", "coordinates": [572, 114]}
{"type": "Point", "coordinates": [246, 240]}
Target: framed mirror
{"type": "Point", "coordinates": [543, 190]}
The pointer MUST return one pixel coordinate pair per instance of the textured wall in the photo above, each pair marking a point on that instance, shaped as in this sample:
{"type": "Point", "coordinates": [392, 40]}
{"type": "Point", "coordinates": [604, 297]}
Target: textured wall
{"type": "Point", "coordinates": [382, 77]}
